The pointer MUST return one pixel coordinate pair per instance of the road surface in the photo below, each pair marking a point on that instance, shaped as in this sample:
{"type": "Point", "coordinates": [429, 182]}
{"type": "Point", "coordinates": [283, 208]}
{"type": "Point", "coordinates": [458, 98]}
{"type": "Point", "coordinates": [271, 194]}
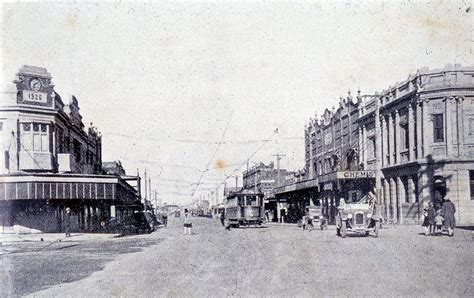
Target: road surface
{"type": "Point", "coordinates": [279, 260]}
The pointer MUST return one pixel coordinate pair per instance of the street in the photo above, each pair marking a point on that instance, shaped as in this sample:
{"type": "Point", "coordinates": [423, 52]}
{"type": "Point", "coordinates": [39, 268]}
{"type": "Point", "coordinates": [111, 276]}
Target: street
{"type": "Point", "coordinates": [277, 260]}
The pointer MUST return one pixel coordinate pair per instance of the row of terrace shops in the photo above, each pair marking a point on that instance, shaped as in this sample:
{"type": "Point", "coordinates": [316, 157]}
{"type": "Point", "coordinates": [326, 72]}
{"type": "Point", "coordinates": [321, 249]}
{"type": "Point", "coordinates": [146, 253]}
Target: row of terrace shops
{"type": "Point", "coordinates": [38, 202]}
{"type": "Point", "coordinates": [289, 202]}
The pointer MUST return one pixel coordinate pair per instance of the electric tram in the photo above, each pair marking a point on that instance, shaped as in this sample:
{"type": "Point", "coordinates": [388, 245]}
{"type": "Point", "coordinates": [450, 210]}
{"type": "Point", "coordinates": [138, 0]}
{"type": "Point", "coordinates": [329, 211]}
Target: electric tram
{"type": "Point", "coordinates": [244, 208]}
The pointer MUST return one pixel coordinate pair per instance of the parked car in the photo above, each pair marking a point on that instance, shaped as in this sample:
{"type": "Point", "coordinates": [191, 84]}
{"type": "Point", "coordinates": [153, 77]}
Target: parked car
{"type": "Point", "coordinates": [140, 222]}
{"type": "Point", "coordinates": [359, 217]}
{"type": "Point", "coordinates": [315, 213]}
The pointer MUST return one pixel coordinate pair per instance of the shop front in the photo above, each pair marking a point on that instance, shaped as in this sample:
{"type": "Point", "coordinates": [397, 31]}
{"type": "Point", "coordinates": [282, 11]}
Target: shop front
{"type": "Point", "coordinates": [292, 199]}
{"type": "Point", "coordinates": [348, 185]}
{"type": "Point", "coordinates": [47, 202]}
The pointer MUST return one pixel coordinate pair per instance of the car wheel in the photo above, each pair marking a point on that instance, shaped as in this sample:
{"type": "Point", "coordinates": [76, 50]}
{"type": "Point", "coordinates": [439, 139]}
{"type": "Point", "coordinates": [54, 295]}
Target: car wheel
{"type": "Point", "coordinates": [343, 229]}
{"type": "Point", "coordinates": [376, 230]}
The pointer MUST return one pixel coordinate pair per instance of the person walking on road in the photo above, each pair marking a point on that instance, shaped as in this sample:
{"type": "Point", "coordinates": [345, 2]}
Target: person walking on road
{"type": "Point", "coordinates": [67, 222]}
{"type": "Point", "coordinates": [448, 211]}
{"type": "Point", "coordinates": [187, 223]}
{"type": "Point", "coordinates": [222, 217]}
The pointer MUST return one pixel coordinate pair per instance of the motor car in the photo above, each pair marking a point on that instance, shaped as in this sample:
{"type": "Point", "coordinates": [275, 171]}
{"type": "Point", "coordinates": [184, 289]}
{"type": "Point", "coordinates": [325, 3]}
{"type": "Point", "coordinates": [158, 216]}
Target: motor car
{"type": "Point", "coordinates": [140, 222]}
{"type": "Point", "coordinates": [315, 213]}
{"type": "Point", "coordinates": [359, 218]}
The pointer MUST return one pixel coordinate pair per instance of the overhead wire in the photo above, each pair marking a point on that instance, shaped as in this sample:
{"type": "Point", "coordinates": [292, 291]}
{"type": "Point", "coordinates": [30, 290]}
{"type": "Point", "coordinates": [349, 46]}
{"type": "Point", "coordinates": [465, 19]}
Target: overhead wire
{"type": "Point", "coordinates": [214, 153]}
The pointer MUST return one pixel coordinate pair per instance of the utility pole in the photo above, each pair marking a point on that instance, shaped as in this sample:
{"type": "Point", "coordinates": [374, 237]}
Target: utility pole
{"type": "Point", "coordinates": [139, 187]}
{"type": "Point", "coordinates": [144, 198]}
{"type": "Point", "coordinates": [255, 181]}
{"type": "Point", "coordinates": [378, 155]}
{"type": "Point", "coordinates": [149, 188]}
{"type": "Point", "coordinates": [278, 156]}
{"type": "Point", "coordinates": [146, 189]}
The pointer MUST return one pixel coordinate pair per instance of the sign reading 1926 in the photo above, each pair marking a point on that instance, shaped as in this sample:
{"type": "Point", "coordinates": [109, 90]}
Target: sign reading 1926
{"type": "Point", "coordinates": [34, 96]}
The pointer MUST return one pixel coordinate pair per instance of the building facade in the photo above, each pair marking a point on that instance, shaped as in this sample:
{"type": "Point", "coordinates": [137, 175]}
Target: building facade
{"type": "Point", "coordinates": [41, 133]}
{"type": "Point", "coordinates": [423, 129]}
{"type": "Point", "coordinates": [51, 163]}
{"type": "Point", "coordinates": [410, 144]}
{"type": "Point", "coordinates": [263, 179]}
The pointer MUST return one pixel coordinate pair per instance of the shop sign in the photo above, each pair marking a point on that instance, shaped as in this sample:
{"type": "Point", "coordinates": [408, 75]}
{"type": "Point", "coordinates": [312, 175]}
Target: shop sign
{"type": "Point", "coordinates": [355, 174]}
{"type": "Point", "coordinates": [327, 186]}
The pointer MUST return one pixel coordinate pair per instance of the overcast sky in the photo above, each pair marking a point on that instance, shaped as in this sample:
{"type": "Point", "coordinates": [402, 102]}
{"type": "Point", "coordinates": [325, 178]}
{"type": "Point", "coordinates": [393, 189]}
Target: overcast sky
{"type": "Point", "coordinates": [172, 85]}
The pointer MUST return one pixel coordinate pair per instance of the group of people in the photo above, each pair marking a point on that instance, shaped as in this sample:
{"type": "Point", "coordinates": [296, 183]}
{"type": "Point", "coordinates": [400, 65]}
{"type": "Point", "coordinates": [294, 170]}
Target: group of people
{"type": "Point", "coordinates": [434, 220]}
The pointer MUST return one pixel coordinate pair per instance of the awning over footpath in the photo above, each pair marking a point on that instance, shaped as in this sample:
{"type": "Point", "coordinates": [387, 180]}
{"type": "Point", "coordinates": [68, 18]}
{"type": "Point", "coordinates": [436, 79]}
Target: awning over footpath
{"type": "Point", "coordinates": [297, 186]}
{"type": "Point", "coordinates": [66, 186]}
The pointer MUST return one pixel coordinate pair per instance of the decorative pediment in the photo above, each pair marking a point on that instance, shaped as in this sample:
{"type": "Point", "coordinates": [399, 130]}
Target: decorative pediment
{"type": "Point", "coordinates": [73, 112]}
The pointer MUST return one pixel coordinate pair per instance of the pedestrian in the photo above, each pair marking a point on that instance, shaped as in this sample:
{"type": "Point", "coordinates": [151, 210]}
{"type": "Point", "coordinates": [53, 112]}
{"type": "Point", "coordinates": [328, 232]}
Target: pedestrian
{"type": "Point", "coordinates": [67, 222]}
{"type": "Point", "coordinates": [187, 223]}
{"type": "Point", "coordinates": [439, 222]}
{"type": "Point", "coordinates": [309, 222]}
{"type": "Point", "coordinates": [431, 218]}
{"type": "Point", "coordinates": [448, 211]}
{"type": "Point", "coordinates": [303, 222]}
{"type": "Point", "coordinates": [425, 224]}
{"type": "Point", "coordinates": [227, 224]}
{"type": "Point", "coordinates": [222, 217]}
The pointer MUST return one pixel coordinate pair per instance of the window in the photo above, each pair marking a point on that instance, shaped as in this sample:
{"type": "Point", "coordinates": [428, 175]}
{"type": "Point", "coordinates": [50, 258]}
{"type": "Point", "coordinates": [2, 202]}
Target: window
{"type": "Point", "coordinates": [36, 139]}
{"type": "Point", "coordinates": [77, 150]}
{"type": "Point", "coordinates": [471, 183]}
{"type": "Point", "coordinates": [438, 128]}
{"type": "Point", "coordinates": [404, 136]}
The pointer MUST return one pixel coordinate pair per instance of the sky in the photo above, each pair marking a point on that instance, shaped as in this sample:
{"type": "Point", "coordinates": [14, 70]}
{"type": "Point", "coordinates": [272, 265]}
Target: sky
{"type": "Point", "coordinates": [191, 91]}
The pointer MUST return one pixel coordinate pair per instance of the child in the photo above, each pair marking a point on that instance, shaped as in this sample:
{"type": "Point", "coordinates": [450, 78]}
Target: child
{"type": "Point", "coordinates": [439, 222]}
{"type": "Point", "coordinates": [187, 223]}
{"type": "Point", "coordinates": [303, 222]}
{"type": "Point", "coordinates": [431, 218]}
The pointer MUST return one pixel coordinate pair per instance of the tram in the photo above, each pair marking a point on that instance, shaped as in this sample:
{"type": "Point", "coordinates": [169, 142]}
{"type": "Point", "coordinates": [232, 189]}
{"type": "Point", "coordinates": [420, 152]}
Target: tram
{"type": "Point", "coordinates": [244, 208]}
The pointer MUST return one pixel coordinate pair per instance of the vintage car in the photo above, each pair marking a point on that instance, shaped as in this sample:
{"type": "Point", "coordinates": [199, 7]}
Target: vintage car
{"type": "Point", "coordinates": [315, 213]}
{"type": "Point", "coordinates": [359, 217]}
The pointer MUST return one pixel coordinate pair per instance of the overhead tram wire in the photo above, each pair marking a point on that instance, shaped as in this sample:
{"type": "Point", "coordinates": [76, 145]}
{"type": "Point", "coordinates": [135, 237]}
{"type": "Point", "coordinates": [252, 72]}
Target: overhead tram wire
{"type": "Point", "coordinates": [214, 153]}
{"type": "Point", "coordinates": [251, 156]}
{"type": "Point", "coordinates": [197, 141]}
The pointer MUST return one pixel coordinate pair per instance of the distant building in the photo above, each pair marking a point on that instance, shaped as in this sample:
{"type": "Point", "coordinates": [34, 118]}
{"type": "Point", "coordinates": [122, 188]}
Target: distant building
{"type": "Point", "coordinates": [113, 168]}
{"type": "Point", "coordinates": [263, 179]}
{"type": "Point", "coordinates": [52, 163]}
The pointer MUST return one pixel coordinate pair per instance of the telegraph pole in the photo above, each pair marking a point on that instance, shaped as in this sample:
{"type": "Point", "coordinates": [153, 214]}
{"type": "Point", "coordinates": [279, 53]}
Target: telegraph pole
{"type": "Point", "coordinates": [278, 156]}
{"type": "Point", "coordinates": [144, 198]}
{"type": "Point", "coordinates": [149, 188]}
{"type": "Point", "coordinates": [378, 156]}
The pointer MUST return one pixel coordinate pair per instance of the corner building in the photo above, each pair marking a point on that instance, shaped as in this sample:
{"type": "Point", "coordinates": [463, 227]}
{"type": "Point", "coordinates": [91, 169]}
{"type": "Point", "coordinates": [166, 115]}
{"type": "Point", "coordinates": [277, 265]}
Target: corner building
{"type": "Point", "coordinates": [424, 143]}
{"type": "Point", "coordinates": [51, 162]}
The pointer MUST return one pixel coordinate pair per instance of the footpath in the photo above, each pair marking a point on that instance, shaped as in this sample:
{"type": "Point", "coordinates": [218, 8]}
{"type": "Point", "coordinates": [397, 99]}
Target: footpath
{"type": "Point", "coordinates": [51, 237]}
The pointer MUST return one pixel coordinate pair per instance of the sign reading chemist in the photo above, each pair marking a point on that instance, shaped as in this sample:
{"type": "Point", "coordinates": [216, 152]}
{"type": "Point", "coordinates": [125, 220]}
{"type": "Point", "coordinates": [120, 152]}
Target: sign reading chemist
{"type": "Point", "coordinates": [355, 174]}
